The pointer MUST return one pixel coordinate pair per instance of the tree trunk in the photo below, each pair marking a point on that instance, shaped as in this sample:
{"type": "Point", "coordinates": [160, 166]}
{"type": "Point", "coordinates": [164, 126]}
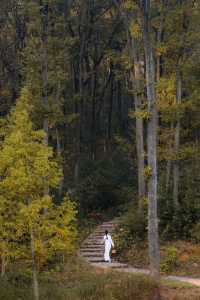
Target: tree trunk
{"type": "Point", "coordinates": [34, 267]}
{"type": "Point", "coordinates": [3, 265]}
{"type": "Point", "coordinates": [139, 123]}
{"type": "Point", "coordinates": [168, 172]}
{"type": "Point", "coordinates": [110, 113]}
{"type": "Point", "coordinates": [176, 170]}
{"type": "Point", "coordinates": [83, 21]}
{"type": "Point", "coordinates": [169, 165]}
{"type": "Point", "coordinates": [59, 155]}
{"type": "Point", "coordinates": [44, 17]}
{"type": "Point", "coordinates": [136, 77]}
{"type": "Point", "coordinates": [153, 236]}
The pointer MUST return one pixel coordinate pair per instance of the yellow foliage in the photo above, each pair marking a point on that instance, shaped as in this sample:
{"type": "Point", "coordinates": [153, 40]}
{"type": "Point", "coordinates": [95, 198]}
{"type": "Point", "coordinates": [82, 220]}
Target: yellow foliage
{"type": "Point", "coordinates": [129, 5]}
{"type": "Point", "coordinates": [27, 166]}
{"type": "Point", "coordinates": [147, 172]}
{"type": "Point", "coordinates": [161, 49]}
{"type": "Point", "coordinates": [141, 114]}
{"type": "Point", "coordinates": [135, 30]}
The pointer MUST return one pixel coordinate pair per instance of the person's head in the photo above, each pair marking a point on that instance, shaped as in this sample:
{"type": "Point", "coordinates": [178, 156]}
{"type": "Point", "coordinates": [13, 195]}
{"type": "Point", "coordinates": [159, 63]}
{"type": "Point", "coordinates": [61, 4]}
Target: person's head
{"type": "Point", "coordinates": [106, 232]}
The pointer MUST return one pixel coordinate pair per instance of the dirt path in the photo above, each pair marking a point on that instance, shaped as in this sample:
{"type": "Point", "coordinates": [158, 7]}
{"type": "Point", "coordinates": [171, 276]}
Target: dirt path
{"type": "Point", "coordinates": [92, 250]}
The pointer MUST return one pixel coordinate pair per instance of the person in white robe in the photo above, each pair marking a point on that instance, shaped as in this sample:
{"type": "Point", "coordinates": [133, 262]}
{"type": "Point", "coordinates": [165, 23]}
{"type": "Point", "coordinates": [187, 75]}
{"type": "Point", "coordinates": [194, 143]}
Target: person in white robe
{"type": "Point", "coordinates": [108, 243]}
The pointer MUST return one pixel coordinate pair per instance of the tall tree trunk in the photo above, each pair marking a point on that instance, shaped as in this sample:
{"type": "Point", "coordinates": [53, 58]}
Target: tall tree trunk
{"type": "Point", "coordinates": [169, 165]}
{"type": "Point", "coordinates": [168, 172]}
{"type": "Point", "coordinates": [93, 123]}
{"type": "Point", "coordinates": [136, 78]}
{"type": "Point", "coordinates": [34, 267]}
{"type": "Point", "coordinates": [159, 40]}
{"type": "Point", "coordinates": [59, 155]}
{"type": "Point", "coordinates": [45, 21]}
{"type": "Point", "coordinates": [3, 265]}
{"type": "Point", "coordinates": [153, 236]}
{"type": "Point", "coordinates": [176, 171]}
{"type": "Point", "coordinates": [82, 27]}
{"type": "Point", "coordinates": [110, 113]}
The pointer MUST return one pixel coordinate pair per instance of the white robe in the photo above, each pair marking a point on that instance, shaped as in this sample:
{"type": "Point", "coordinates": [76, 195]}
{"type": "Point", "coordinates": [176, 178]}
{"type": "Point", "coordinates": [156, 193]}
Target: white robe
{"type": "Point", "coordinates": [108, 242]}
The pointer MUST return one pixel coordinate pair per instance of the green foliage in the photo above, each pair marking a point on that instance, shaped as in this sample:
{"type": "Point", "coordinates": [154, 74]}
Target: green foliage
{"type": "Point", "coordinates": [195, 232]}
{"type": "Point", "coordinates": [79, 282]}
{"type": "Point", "coordinates": [170, 260]}
{"type": "Point", "coordinates": [28, 168]}
{"type": "Point", "coordinates": [132, 228]}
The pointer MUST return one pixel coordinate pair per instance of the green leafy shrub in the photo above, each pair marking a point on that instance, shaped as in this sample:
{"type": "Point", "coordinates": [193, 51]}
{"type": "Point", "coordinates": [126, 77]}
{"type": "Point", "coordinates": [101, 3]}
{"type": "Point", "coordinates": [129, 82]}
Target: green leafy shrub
{"type": "Point", "coordinates": [195, 232]}
{"type": "Point", "coordinates": [131, 229]}
{"type": "Point", "coordinates": [170, 259]}
{"type": "Point", "coordinates": [81, 282]}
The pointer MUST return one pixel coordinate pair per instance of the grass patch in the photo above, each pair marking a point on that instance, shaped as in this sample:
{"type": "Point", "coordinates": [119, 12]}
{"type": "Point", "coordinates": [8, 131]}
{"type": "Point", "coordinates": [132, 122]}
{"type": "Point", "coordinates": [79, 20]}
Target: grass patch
{"type": "Point", "coordinates": [78, 281]}
{"type": "Point", "coordinates": [178, 258]}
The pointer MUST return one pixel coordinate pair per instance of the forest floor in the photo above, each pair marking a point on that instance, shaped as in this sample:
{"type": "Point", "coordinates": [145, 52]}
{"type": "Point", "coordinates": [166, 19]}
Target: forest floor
{"type": "Point", "coordinates": [181, 258]}
{"type": "Point", "coordinates": [172, 287]}
{"type": "Point", "coordinates": [78, 280]}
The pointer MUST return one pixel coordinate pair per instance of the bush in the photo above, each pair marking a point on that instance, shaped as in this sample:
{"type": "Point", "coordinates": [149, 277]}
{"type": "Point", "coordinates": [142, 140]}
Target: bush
{"type": "Point", "coordinates": [81, 282]}
{"type": "Point", "coordinates": [170, 259]}
{"type": "Point", "coordinates": [195, 232]}
{"type": "Point", "coordinates": [131, 229]}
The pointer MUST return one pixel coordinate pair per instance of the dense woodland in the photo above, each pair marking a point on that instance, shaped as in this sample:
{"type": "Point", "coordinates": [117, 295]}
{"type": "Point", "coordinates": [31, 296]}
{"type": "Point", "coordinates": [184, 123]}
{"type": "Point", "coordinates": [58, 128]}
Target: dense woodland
{"type": "Point", "coordinates": [99, 116]}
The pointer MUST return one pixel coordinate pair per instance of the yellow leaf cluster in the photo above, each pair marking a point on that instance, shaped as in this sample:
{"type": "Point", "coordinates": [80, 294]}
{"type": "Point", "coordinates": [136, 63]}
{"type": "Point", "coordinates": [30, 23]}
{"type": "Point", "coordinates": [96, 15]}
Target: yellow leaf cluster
{"type": "Point", "coordinates": [27, 168]}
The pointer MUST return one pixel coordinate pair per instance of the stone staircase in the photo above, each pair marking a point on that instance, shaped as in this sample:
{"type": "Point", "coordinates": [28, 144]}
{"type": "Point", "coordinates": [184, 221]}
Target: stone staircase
{"type": "Point", "coordinates": [92, 250]}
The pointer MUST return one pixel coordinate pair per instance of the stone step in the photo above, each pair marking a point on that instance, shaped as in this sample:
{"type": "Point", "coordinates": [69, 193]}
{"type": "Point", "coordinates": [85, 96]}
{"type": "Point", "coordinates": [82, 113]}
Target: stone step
{"type": "Point", "coordinates": [89, 255]}
{"type": "Point", "coordinates": [92, 246]}
{"type": "Point", "coordinates": [105, 226]}
{"type": "Point", "coordinates": [113, 265]}
{"type": "Point", "coordinates": [95, 259]}
{"type": "Point", "coordinates": [91, 249]}
{"type": "Point", "coordinates": [96, 236]}
{"type": "Point", "coordinates": [93, 242]}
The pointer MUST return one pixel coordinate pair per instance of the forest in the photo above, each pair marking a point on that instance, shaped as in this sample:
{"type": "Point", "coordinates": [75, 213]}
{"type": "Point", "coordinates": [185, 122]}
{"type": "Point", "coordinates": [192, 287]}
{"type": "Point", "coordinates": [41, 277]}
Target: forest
{"type": "Point", "coordinates": [99, 121]}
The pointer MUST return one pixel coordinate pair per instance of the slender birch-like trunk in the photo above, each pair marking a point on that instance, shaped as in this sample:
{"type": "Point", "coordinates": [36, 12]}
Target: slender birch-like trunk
{"type": "Point", "coordinates": [153, 236]}
{"type": "Point", "coordinates": [139, 124]}
{"type": "Point", "coordinates": [3, 265]}
{"type": "Point", "coordinates": [176, 171]}
{"type": "Point", "coordinates": [58, 149]}
{"type": "Point", "coordinates": [34, 267]}
{"type": "Point", "coordinates": [136, 77]}
{"type": "Point", "coordinates": [169, 165]}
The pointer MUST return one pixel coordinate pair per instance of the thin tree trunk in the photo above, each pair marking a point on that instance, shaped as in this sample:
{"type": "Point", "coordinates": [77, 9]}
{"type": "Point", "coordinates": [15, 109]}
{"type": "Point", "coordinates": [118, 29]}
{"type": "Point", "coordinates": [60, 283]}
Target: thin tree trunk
{"type": "Point", "coordinates": [138, 103]}
{"type": "Point", "coordinates": [168, 172]}
{"type": "Point", "coordinates": [139, 124]}
{"type": "Point", "coordinates": [84, 15]}
{"type": "Point", "coordinates": [58, 148]}
{"type": "Point", "coordinates": [110, 112]}
{"type": "Point", "coordinates": [44, 16]}
{"type": "Point", "coordinates": [176, 171]}
{"type": "Point", "coordinates": [153, 236]}
{"type": "Point", "coordinates": [3, 265]}
{"type": "Point", "coordinates": [34, 267]}
{"type": "Point", "coordinates": [93, 123]}
{"type": "Point", "coordinates": [169, 166]}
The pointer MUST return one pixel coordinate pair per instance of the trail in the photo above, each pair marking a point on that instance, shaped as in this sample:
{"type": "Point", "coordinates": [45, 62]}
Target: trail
{"type": "Point", "coordinates": [92, 250]}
